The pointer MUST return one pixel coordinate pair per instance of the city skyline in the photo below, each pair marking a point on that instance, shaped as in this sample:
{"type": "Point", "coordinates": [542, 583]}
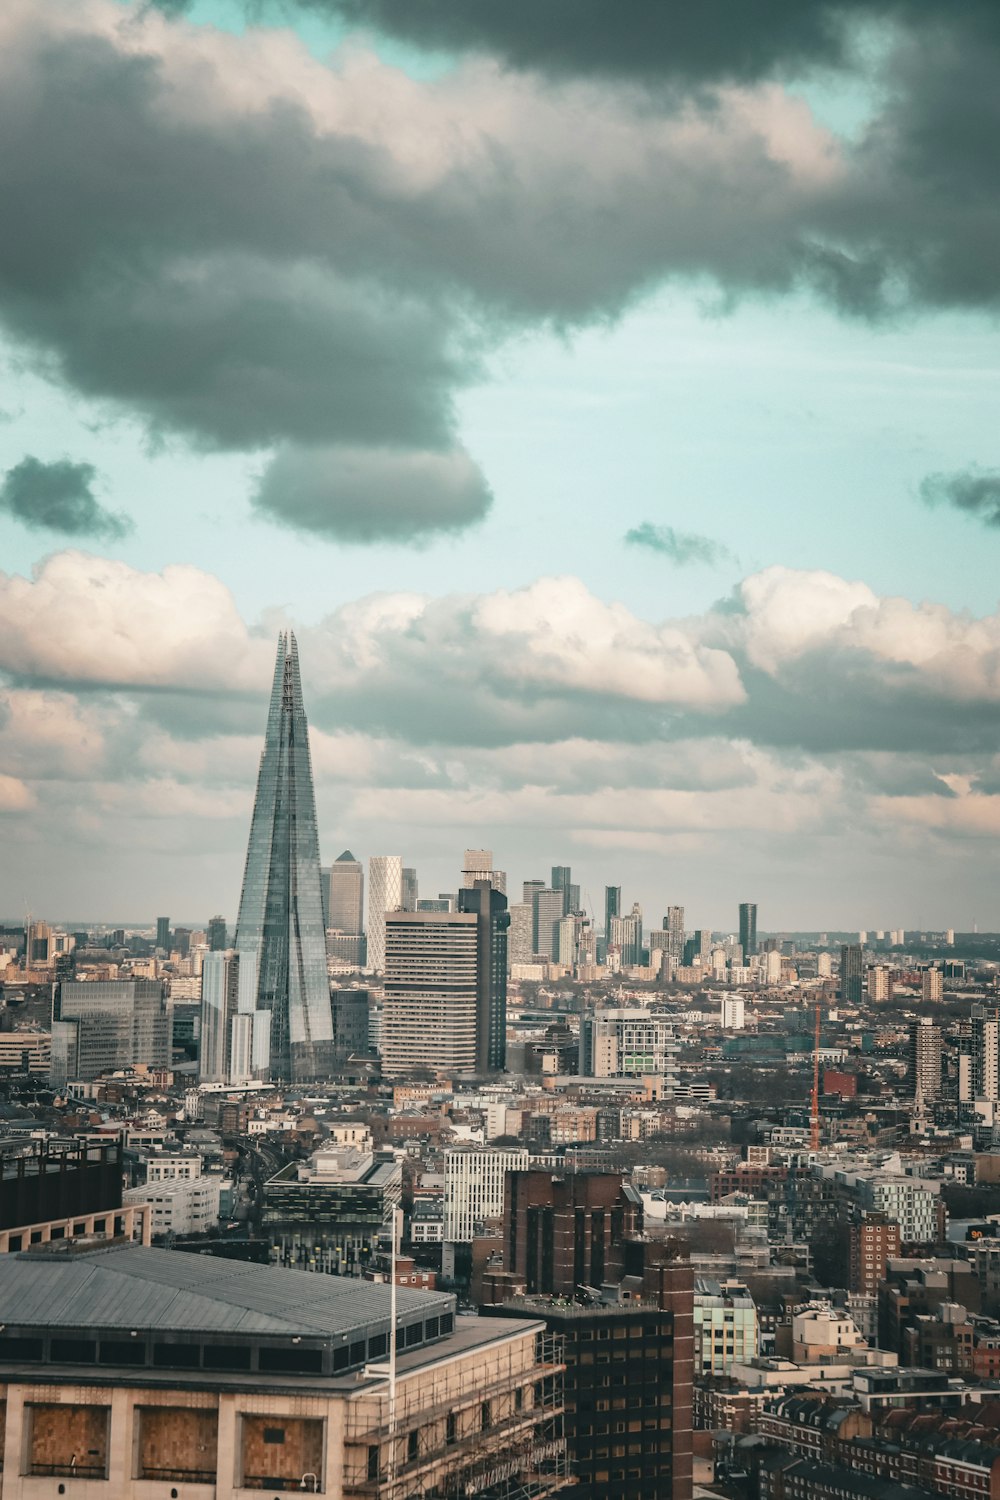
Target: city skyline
{"type": "Point", "coordinates": [661, 544]}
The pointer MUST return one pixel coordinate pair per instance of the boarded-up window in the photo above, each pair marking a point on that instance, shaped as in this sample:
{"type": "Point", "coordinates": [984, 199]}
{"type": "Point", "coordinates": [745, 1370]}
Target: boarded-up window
{"type": "Point", "coordinates": [177, 1443]}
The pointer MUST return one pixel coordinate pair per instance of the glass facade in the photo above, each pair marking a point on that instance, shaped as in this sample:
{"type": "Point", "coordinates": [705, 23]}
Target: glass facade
{"type": "Point", "coordinates": [280, 923]}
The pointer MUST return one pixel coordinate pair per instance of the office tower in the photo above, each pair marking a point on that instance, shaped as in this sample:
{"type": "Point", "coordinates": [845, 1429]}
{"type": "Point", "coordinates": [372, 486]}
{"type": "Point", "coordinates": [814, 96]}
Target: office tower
{"type": "Point", "coordinates": [346, 895]}
{"type": "Point", "coordinates": [163, 933]}
{"type": "Point", "coordinates": [229, 1017]}
{"type": "Point", "coordinates": [624, 1310]}
{"type": "Point", "coordinates": [431, 1010]}
{"type": "Point", "coordinates": [350, 1024]}
{"type": "Point", "coordinates": [521, 937]}
{"type": "Point", "coordinates": [985, 1051]}
{"type": "Point", "coordinates": [216, 934]}
{"type": "Point", "coordinates": [280, 924]}
{"type": "Point", "coordinates": [562, 881]}
{"type": "Point", "coordinates": [623, 936]}
{"type": "Point", "coordinates": [674, 924]}
{"type": "Point", "coordinates": [108, 1026]}
{"type": "Point", "coordinates": [409, 889]}
{"type": "Point", "coordinates": [852, 973]}
{"type": "Point", "coordinates": [474, 1188]}
{"type": "Point", "coordinates": [385, 894]}
{"type": "Point", "coordinates": [219, 978]}
{"type": "Point", "coordinates": [612, 906]}
{"type": "Point", "coordinates": [748, 929]}
{"type": "Point", "coordinates": [528, 889]}
{"type": "Point", "coordinates": [490, 909]}
{"type": "Point", "coordinates": [477, 864]}
{"type": "Point", "coordinates": [925, 1060]}
{"type": "Point", "coordinates": [548, 909]}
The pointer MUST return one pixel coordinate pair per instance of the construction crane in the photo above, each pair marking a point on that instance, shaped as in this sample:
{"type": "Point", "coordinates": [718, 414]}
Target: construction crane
{"type": "Point", "coordinates": [814, 1117]}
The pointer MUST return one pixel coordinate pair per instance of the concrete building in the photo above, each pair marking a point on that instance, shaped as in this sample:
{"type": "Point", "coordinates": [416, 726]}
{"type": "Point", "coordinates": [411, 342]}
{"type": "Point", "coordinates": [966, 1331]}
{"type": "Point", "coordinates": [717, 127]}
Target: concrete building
{"type": "Point", "coordinates": [932, 983]}
{"type": "Point", "coordinates": [432, 992]}
{"type": "Point", "coordinates": [328, 1213]}
{"type": "Point", "coordinates": [521, 935]}
{"type": "Point", "coordinates": [131, 1371]}
{"type": "Point", "coordinates": [179, 1205]}
{"type": "Point", "coordinates": [26, 1052]}
{"type": "Point", "coordinates": [477, 864]}
{"type": "Point", "coordinates": [474, 1189]}
{"type": "Point", "coordinates": [547, 906]}
{"type": "Point", "coordinates": [725, 1327]}
{"type": "Point", "coordinates": [925, 1060]}
{"type": "Point", "coordinates": [985, 1052]}
{"type": "Point", "coordinates": [385, 894]}
{"type": "Point", "coordinates": [628, 1043]}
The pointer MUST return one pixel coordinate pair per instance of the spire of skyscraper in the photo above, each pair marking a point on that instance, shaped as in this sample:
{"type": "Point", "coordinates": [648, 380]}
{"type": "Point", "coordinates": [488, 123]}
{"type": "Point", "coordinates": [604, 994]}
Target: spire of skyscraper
{"type": "Point", "coordinates": [280, 926]}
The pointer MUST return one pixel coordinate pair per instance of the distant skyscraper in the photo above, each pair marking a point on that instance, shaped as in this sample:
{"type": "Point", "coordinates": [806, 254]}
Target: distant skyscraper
{"type": "Point", "coordinates": [429, 1019]}
{"type": "Point", "coordinates": [490, 907]}
{"type": "Point", "coordinates": [216, 934]}
{"type": "Point", "coordinates": [548, 907]}
{"type": "Point", "coordinates": [385, 894]}
{"type": "Point", "coordinates": [280, 925]}
{"type": "Point", "coordinates": [612, 906]}
{"type": "Point", "coordinates": [852, 973]}
{"type": "Point", "coordinates": [346, 895]}
{"type": "Point", "coordinates": [410, 889]}
{"type": "Point", "coordinates": [562, 877]}
{"type": "Point", "coordinates": [528, 889]}
{"type": "Point", "coordinates": [674, 924]}
{"type": "Point", "coordinates": [102, 1026]}
{"type": "Point", "coordinates": [477, 864]}
{"type": "Point", "coordinates": [163, 933]}
{"type": "Point", "coordinates": [521, 938]}
{"type": "Point", "coordinates": [985, 1080]}
{"type": "Point", "coordinates": [222, 1005]}
{"type": "Point", "coordinates": [748, 929]}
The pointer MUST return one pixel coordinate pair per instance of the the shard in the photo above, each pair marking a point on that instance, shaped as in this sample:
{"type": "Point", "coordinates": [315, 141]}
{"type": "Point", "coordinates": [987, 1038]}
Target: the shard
{"type": "Point", "coordinates": [280, 927]}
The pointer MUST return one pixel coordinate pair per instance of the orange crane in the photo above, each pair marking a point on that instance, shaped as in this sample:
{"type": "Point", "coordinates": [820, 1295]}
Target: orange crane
{"type": "Point", "coordinates": [814, 1135]}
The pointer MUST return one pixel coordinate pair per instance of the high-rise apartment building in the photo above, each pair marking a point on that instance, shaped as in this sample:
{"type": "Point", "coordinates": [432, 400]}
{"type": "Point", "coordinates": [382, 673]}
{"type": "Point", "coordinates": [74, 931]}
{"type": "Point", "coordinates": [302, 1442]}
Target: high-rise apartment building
{"type": "Point", "coordinates": [346, 895]}
{"type": "Point", "coordinates": [674, 925]}
{"type": "Point", "coordinates": [493, 923]}
{"type": "Point", "coordinates": [548, 908]}
{"type": "Point", "coordinates": [932, 983]}
{"type": "Point", "coordinates": [280, 924]}
{"type": "Point", "coordinates": [985, 1051]}
{"type": "Point", "coordinates": [385, 894]}
{"type": "Point", "coordinates": [925, 1060]}
{"type": "Point", "coordinates": [521, 937]}
{"type": "Point", "coordinates": [612, 907]}
{"type": "Point", "coordinates": [432, 1000]}
{"type": "Point", "coordinates": [852, 973]}
{"type": "Point", "coordinates": [625, 934]}
{"type": "Point", "coordinates": [163, 933]}
{"type": "Point", "coordinates": [871, 1242]}
{"type": "Point", "coordinates": [229, 1019]}
{"type": "Point", "coordinates": [216, 934]}
{"type": "Point", "coordinates": [877, 983]}
{"type": "Point", "coordinates": [107, 1026]}
{"type": "Point", "coordinates": [748, 929]}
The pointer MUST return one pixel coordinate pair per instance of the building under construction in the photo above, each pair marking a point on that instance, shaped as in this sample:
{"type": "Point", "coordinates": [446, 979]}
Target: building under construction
{"type": "Point", "coordinates": [129, 1365]}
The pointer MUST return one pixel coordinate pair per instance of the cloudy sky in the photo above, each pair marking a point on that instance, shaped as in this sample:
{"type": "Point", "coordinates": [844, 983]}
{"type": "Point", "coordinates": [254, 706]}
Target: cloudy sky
{"type": "Point", "coordinates": [608, 403]}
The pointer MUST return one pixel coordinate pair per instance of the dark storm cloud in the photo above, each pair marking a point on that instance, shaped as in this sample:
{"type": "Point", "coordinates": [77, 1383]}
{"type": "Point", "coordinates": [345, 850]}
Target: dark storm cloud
{"type": "Point", "coordinates": [254, 257]}
{"type": "Point", "coordinates": [975, 491]}
{"type": "Point", "coordinates": [59, 496]}
{"type": "Point", "coordinates": [681, 547]}
{"type": "Point", "coordinates": [368, 495]}
{"type": "Point", "coordinates": [635, 38]}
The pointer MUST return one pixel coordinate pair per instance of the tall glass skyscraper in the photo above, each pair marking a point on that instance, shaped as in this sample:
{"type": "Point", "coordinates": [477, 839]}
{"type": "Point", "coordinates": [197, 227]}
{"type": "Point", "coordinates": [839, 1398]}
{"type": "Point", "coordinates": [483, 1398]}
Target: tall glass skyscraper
{"type": "Point", "coordinates": [280, 926]}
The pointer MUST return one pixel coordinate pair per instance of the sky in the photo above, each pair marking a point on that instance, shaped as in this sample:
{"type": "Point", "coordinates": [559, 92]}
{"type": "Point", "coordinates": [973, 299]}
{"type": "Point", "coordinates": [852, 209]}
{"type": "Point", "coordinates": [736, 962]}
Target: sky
{"type": "Point", "coordinates": [610, 408]}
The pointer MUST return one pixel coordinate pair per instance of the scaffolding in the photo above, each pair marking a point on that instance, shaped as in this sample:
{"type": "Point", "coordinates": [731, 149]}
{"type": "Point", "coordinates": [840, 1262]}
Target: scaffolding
{"type": "Point", "coordinates": [448, 1436]}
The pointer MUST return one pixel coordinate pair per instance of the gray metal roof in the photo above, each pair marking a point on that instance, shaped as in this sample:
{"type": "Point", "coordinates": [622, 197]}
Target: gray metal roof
{"type": "Point", "coordinates": [163, 1290]}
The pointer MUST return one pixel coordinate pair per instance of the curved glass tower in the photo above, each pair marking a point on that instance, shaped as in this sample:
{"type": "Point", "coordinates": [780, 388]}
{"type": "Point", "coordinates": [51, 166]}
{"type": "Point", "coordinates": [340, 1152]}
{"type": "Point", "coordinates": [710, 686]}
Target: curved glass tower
{"type": "Point", "coordinates": [280, 926]}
